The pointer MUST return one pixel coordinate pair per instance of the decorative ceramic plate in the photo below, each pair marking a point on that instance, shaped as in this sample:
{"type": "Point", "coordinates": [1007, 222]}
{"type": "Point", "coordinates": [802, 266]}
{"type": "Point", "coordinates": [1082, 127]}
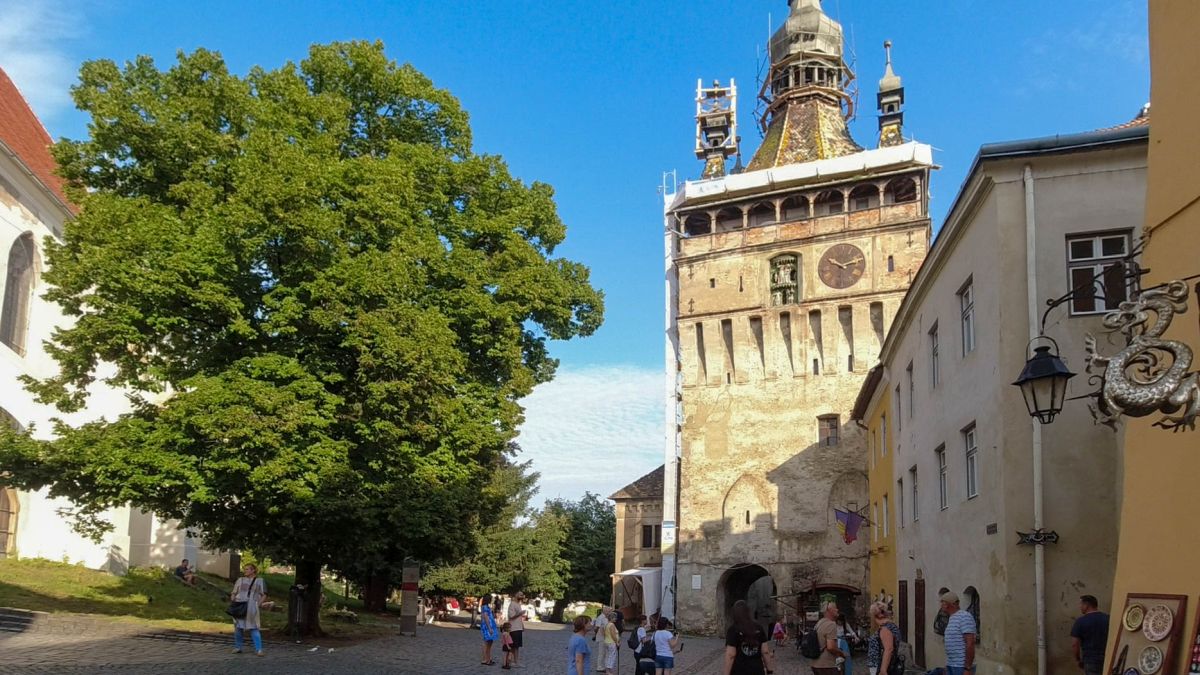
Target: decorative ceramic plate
{"type": "Point", "coordinates": [1157, 623]}
{"type": "Point", "coordinates": [1133, 617]}
{"type": "Point", "coordinates": [1150, 660]}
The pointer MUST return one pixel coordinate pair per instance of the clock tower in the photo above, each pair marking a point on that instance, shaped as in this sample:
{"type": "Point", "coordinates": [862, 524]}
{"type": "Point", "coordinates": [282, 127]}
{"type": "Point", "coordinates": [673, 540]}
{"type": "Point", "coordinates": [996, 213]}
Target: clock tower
{"type": "Point", "coordinates": [781, 281]}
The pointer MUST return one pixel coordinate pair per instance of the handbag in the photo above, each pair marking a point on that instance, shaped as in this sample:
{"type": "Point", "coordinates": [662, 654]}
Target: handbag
{"type": "Point", "coordinates": [238, 609]}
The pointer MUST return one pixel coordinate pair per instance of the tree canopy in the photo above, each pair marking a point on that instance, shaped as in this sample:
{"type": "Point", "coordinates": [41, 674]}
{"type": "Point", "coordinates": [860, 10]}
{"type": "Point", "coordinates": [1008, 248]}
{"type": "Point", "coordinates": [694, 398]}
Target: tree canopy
{"type": "Point", "coordinates": [589, 548]}
{"type": "Point", "coordinates": [324, 305]}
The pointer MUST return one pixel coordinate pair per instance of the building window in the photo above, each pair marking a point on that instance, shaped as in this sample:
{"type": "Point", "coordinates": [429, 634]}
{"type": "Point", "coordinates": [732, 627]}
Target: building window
{"type": "Point", "coordinates": [827, 426]}
{"type": "Point", "coordinates": [916, 505]}
{"type": "Point", "coordinates": [891, 263]}
{"type": "Point", "coordinates": [885, 516]}
{"type": "Point", "coordinates": [900, 500]}
{"type": "Point", "coordinates": [934, 375]}
{"type": "Point", "coordinates": [972, 450]}
{"type": "Point", "coordinates": [912, 403]}
{"type": "Point", "coordinates": [18, 294]}
{"type": "Point", "coordinates": [943, 488]}
{"type": "Point", "coordinates": [966, 305]}
{"type": "Point", "coordinates": [1096, 270]}
{"type": "Point", "coordinates": [875, 530]}
{"type": "Point", "coordinates": [784, 280]}
{"type": "Point", "coordinates": [883, 435]}
{"type": "Point", "coordinates": [651, 536]}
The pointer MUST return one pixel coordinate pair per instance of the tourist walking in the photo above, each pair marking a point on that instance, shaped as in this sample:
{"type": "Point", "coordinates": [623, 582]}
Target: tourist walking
{"type": "Point", "coordinates": [960, 636]}
{"type": "Point", "coordinates": [599, 625]}
{"type": "Point", "coordinates": [579, 654]}
{"type": "Point", "coordinates": [644, 653]}
{"type": "Point", "coordinates": [487, 629]}
{"type": "Point", "coordinates": [517, 616]}
{"type": "Point", "coordinates": [779, 633]}
{"type": "Point", "coordinates": [747, 649]}
{"type": "Point", "coordinates": [831, 658]}
{"type": "Point", "coordinates": [883, 647]}
{"type": "Point", "coordinates": [252, 592]}
{"type": "Point", "coordinates": [847, 638]}
{"type": "Point", "coordinates": [1088, 635]}
{"type": "Point", "coordinates": [612, 638]}
{"type": "Point", "coordinates": [665, 647]}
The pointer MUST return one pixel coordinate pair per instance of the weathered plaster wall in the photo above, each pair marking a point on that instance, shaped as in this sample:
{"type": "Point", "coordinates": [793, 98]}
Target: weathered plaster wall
{"type": "Point", "coordinates": [632, 515]}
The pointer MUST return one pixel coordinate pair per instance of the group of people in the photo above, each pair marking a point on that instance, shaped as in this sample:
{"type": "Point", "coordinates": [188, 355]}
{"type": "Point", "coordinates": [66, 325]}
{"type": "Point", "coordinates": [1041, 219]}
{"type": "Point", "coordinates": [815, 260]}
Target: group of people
{"type": "Point", "coordinates": [653, 643]}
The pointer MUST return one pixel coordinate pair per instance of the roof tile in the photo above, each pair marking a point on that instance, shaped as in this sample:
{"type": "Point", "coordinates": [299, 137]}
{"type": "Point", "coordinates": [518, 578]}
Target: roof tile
{"type": "Point", "coordinates": [25, 136]}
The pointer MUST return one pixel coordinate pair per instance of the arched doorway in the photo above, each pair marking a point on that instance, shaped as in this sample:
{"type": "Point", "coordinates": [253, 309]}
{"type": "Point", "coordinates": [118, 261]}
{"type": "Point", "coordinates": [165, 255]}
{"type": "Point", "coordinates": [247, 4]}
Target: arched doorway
{"type": "Point", "coordinates": [753, 584]}
{"type": "Point", "coordinates": [9, 511]}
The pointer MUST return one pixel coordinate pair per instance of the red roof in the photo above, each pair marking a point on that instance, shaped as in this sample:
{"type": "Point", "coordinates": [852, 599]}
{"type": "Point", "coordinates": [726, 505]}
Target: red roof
{"type": "Point", "coordinates": [21, 131]}
{"type": "Point", "coordinates": [1141, 120]}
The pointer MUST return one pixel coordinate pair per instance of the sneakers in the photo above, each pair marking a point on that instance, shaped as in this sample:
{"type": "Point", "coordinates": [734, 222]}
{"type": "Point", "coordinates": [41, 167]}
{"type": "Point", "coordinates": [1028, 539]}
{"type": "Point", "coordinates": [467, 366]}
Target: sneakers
{"type": "Point", "coordinates": [237, 651]}
{"type": "Point", "coordinates": [259, 653]}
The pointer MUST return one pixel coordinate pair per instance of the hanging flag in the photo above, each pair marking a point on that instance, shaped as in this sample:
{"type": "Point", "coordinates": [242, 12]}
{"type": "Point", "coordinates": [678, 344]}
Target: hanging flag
{"type": "Point", "coordinates": [848, 524]}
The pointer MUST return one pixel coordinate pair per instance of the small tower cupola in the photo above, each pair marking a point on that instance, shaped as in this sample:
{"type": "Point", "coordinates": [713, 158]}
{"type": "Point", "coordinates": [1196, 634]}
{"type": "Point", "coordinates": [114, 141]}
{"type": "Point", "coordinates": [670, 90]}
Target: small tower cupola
{"type": "Point", "coordinates": [716, 126]}
{"type": "Point", "coordinates": [891, 104]}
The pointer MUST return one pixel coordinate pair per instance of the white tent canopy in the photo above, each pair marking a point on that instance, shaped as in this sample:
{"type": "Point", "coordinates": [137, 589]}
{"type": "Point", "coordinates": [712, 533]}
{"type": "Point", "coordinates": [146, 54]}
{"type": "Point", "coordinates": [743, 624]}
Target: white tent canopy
{"type": "Point", "coordinates": [638, 591]}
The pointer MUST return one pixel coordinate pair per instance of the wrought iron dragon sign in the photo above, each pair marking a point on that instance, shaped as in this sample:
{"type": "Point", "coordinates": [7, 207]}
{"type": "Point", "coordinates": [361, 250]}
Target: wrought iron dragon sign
{"type": "Point", "coordinates": [1150, 374]}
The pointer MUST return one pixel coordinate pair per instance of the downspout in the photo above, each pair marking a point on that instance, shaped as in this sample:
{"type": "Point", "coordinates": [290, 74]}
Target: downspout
{"type": "Point", "coordinates": [670, 516]}
{"type": "Point", "coordinates": [1039, 549]}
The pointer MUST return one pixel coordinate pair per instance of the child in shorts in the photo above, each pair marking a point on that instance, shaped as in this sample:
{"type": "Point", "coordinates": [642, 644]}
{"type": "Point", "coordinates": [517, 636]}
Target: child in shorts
{"type": "Point", "coordinates": [506, 645]}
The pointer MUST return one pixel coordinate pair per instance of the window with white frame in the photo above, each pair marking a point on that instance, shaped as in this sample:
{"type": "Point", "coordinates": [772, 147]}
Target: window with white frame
{"type": "Point", "coordinates": [899, 410]}
{"type": "Point", "coordinates": [1096, 271]}
{"type": "Point", "coordinates": [943, 488]}
{"type": "Point", "coordinates": [900, 500]}
{"type": "Point", "coordinates": [875, 534]}
{"type": "Point", "coordinates": [972, 452]}
{"type": "Point", "coordinates": [912, 403]}
{"type": "Point", "coordinates": [885, 516]}
{"type": "Point", "coordinates": [883, 428]}
{"type": "Point", "coordinates": [966, 306]}
{"type": "Point", "coordinates": [934, 375]}
{"type": "Point", "coordinates": [916, 504]}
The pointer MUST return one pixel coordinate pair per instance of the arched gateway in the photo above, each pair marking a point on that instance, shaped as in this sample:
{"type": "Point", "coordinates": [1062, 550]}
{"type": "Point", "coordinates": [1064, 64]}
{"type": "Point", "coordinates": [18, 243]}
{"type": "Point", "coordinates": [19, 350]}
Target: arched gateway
{"type": "Point", "coordinates": [753, 584]}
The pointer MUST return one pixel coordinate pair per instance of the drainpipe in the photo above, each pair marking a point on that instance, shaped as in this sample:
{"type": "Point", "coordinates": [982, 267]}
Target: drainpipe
{"type": "Point", "coordinates": [1039, 549]}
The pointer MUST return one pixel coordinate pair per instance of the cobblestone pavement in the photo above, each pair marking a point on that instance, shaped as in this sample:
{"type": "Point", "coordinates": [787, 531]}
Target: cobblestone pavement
{"type": "Point", "coordinates": [437, 650]}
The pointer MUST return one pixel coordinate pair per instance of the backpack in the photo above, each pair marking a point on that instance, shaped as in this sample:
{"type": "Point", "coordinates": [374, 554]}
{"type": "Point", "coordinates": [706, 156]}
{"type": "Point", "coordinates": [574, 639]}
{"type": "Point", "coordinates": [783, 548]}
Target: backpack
{"type": "Point", "coordinates": [810, 646]}
{"type": "Point", "coordinates": [633, 640]}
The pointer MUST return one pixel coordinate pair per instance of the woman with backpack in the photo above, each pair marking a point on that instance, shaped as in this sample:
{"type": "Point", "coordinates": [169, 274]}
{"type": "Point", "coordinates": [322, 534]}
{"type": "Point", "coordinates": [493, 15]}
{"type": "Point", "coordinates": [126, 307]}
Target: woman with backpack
{"type": "Point", "coordinates": [641, 641]}
{"type": "Point", "coordinates": [883, 647]}
{"type": "Point", "coordinates": [747, 649]}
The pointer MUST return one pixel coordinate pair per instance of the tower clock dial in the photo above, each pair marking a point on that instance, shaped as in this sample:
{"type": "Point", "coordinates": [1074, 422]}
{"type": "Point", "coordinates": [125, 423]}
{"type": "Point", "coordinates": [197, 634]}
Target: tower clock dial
{"type": "Point", "coordinates": [842, 266]}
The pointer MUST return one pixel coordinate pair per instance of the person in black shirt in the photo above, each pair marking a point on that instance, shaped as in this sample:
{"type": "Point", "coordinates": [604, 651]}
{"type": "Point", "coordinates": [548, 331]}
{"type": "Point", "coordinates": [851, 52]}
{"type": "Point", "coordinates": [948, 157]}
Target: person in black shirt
{"type": "Point", "coordinates": [747, 650]}
{"type": "Point", "coordinates": [1088, 636]}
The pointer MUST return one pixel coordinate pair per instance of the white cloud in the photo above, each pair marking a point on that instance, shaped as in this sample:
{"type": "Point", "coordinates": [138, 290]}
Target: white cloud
{"type": "Point", "coordinates": [593, 429]}
{"type": "Point", "coordinates": [33, 36]}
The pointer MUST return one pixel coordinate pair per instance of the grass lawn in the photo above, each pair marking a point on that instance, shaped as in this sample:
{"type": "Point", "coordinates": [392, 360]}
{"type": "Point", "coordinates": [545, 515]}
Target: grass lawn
{"type": "Point", "coordinates": [151, 597]}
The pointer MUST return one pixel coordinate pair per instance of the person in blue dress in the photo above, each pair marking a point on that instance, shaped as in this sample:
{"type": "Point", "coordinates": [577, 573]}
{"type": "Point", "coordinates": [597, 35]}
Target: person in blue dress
{"type": "Point", "coordinates": [579, 654]}
{"type": "Point", "coordinates": [487, 629]}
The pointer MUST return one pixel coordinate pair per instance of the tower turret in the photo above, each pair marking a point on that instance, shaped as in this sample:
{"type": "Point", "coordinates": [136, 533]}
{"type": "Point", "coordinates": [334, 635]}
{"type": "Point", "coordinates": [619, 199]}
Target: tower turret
{"type": "Point", "coordinates": [716, 126]}
{"type": "Point", "coordinates": [890, 100]}
{"type": "Point", "coordinates": [806, 91]}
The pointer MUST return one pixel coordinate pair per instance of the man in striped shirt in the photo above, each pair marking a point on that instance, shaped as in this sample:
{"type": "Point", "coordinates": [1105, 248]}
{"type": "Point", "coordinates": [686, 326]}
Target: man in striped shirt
{"type": "Point", "coordinates": [960, 636]}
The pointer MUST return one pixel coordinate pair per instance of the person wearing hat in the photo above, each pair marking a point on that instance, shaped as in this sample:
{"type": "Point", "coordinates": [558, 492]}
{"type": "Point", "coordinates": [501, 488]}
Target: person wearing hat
{"type": "Point", "coordinates": [517, 616]}
{"type": "Point", "coordinates": [960, 636]}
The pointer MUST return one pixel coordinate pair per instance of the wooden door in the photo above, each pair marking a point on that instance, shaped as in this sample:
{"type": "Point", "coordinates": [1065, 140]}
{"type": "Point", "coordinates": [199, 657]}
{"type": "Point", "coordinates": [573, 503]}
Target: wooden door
{"type": "Point", "coordinates": [919, 623]}
{"type": "Point", "coordinates": [902, 610]}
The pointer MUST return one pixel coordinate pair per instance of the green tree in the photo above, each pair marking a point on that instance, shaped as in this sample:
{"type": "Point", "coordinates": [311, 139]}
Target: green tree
{"type": "Point", "coordinates": [325, 306]}
{"type": "Point", "coordinates": [589, 550]}
{"type": "Point", "coordinates": [521, 551]}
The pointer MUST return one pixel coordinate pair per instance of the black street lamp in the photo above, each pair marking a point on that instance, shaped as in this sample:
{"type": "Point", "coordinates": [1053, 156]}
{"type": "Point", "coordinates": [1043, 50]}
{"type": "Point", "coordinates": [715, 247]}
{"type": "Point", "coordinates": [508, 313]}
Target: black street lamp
{"type": "Point", "coordinates": [1043, 382]}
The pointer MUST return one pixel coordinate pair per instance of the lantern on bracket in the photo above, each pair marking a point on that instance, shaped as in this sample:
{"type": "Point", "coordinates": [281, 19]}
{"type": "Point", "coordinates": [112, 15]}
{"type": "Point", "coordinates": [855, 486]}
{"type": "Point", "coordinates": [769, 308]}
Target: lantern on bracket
{"type": "Point", "coordinates": [1043, 381]}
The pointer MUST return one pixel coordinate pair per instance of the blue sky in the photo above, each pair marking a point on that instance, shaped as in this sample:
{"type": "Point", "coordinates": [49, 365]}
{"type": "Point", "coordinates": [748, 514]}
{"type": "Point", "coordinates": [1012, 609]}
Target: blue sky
{"type": "Point", "coordinates": [596, 98]}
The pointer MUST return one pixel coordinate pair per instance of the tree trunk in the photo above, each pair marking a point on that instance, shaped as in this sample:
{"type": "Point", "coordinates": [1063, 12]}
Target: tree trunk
{"type": "Point", "coordinates": [375, 591]}
{"type": "Point", "coordinates": [556, 615]}
{"type": "Point", "coordinates": [308, 575]}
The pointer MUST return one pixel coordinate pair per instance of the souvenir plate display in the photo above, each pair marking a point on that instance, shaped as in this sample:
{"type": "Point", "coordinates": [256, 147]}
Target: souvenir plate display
{"type": "Point", "coordinates": [1134, 616]}
{"type": "Point", "coordinates": [1150, 660]}
{"type": "Point", "coordinates": [1150, 636]}
{"type": "Point", "coordinates": [1157, 623]}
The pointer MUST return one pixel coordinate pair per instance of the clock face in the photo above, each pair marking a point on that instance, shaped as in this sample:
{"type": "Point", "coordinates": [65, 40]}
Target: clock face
{"type": "Point", "coordinates": [842, 266]}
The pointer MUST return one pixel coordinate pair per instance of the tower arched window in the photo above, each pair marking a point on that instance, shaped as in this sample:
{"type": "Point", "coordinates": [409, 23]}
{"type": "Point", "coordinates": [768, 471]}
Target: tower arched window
{"type": "Point", "coordinates": [864, 197]}
{"type": "Point", "coordinates": [785, 279]}
{"type": "Point", "coordinates": [795, 208]}
{"type": "Point", "coordinates": [697, 224]}
{"type": "Point", "coordinates": [18, 293]}
{"type": "Point", "coordinates": [900, 190]}
{"type": "Point", "coordinates": [761, 214]}
{"type": "Point", "coordinates": [829, 203]}
{"type": "Point", "coordinates": [729, 219]}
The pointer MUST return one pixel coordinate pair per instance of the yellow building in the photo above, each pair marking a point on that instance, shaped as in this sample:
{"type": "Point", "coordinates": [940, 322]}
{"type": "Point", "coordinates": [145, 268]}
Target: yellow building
{"type": "Point", "coordinates": [1159, 544]}
{"type": "Point", "coordinates": [870, 410]}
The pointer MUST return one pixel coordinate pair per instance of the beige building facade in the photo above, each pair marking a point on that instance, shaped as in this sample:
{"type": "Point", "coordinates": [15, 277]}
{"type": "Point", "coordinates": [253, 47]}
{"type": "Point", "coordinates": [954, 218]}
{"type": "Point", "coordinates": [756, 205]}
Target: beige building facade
{"type": "Point", "coordinates": [1033, 220]}
{"type": "Point", "coordinates": [639, 511]}
{"type": "Point", "coordinates": [782, 280]}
